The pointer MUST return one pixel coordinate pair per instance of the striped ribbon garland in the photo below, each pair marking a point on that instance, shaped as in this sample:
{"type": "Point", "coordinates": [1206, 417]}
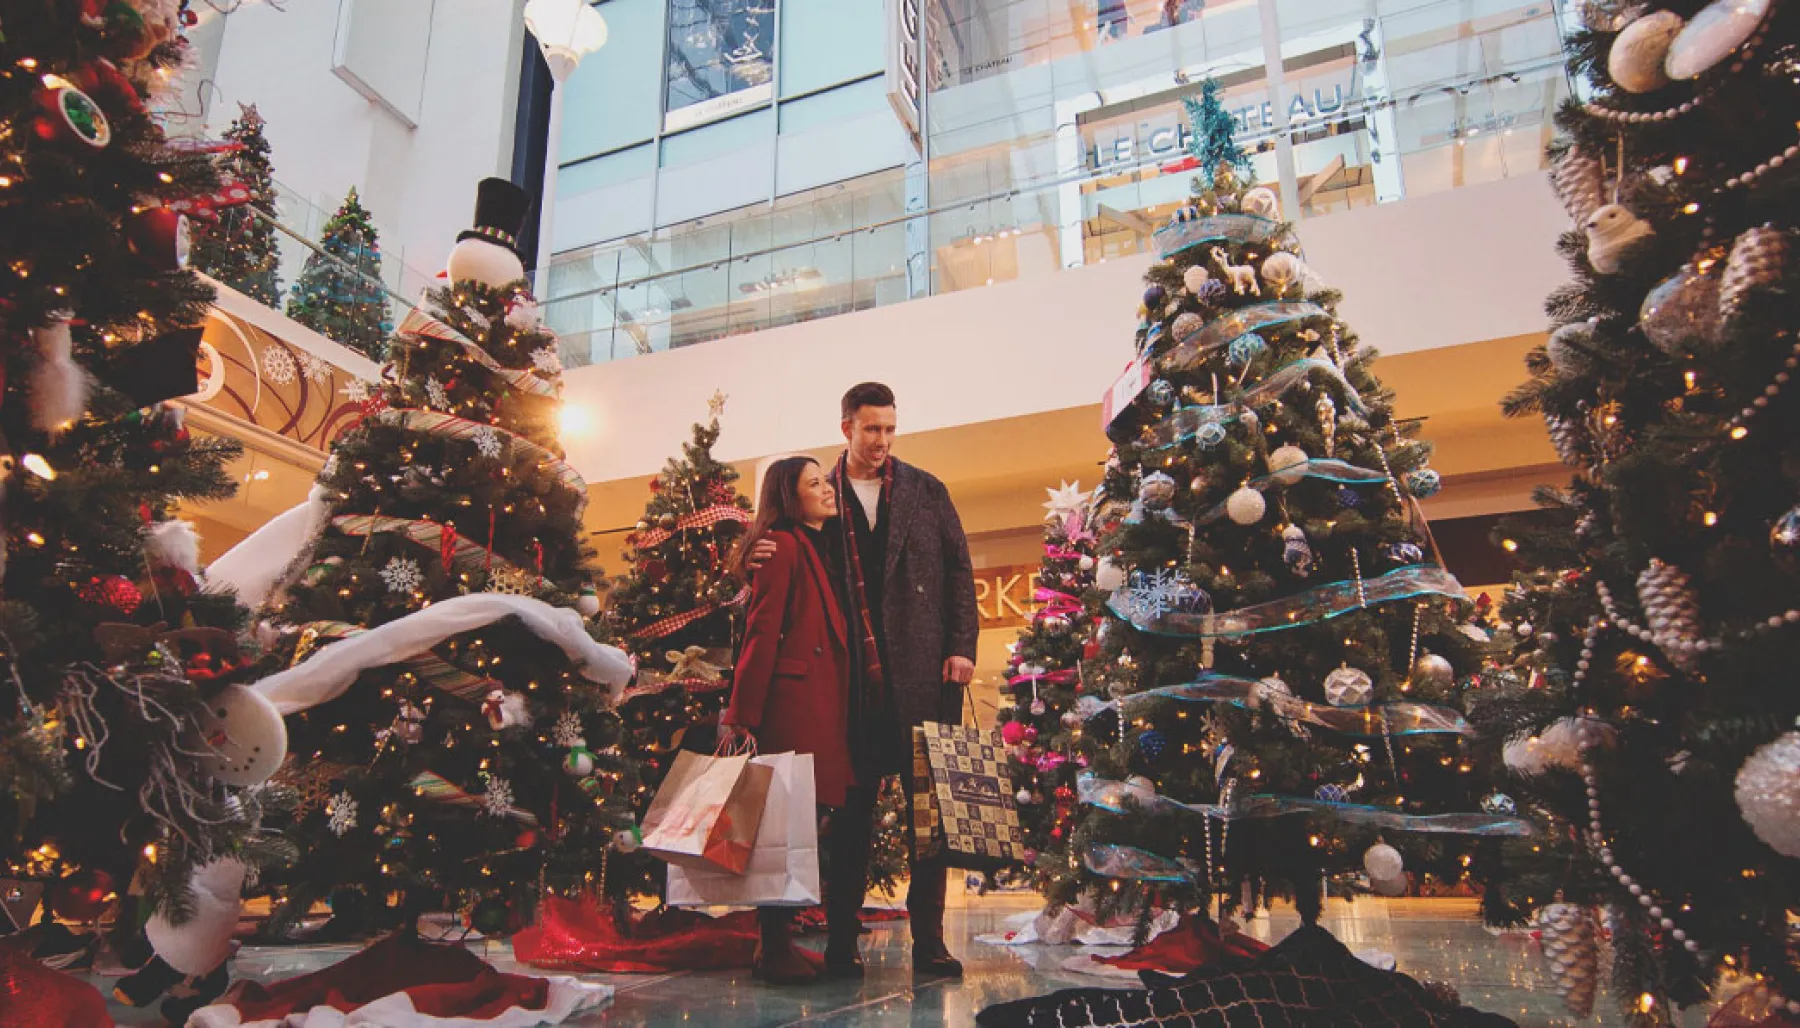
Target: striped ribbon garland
{"type": "Point", "coordinates": [457, 551]}
{"type": "Point", "coordinates": [438, 789]}
{"type": "Point", "coordinates": [449, 426]}
{"type": "Point", "coordinates": [425, 326]}
{"type": "Point", "coordinates": [676, 622]}
{"type": "Point", "coordinates": [435, 671]}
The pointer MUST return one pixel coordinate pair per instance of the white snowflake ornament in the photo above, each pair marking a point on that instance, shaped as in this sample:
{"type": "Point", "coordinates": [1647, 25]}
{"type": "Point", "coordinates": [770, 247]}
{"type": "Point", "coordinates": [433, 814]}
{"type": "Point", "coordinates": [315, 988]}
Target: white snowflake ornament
{"type": "Point", "coordinates": [567, 731]}
{"type": "Point", "coordinates": [498, 800]}
{"type": "Point", "coordinates": [402, 575]}
{"type": "Point", "coordinates": [487, 441]}
{"type": "Point", "coordinates": [546, 360]}
{"type": "Point", "coordinates": [436, 393]}
{"type": "Point", "coordinates": [342, 812]}
{"type": "Point", "coordinates": [315, 369]}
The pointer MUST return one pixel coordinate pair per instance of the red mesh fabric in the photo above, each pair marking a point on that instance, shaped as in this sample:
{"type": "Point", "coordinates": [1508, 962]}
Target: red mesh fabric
{"type": "Point", "coordinates": [582, 936]}
{"type": "Point", "coordinates": [443, 981]}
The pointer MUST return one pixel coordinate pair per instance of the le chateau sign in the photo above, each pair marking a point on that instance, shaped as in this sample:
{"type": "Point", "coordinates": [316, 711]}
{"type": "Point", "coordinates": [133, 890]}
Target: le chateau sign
{"type": "Point", "coordinates": [1003, 595]}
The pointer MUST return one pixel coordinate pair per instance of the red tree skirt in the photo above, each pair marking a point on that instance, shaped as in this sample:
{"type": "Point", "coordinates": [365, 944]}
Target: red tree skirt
{"type": "Point", "coordinates": [404, 983]}
{"type": "Point", "coordinates": [581, 935]}
{"type": "Point", "coordinates": [33, 996]}
{"type": "Point", "coordinates": [1192, 944]}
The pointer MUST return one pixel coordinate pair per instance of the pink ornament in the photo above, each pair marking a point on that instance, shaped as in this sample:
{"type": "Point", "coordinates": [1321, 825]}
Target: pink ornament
{"type": "Point", "coordinates": [1013, 733]}
{"type": "Point", "coordinates": [1030, 856]}
{"type": "Point", "coordinates": [1030, 733]}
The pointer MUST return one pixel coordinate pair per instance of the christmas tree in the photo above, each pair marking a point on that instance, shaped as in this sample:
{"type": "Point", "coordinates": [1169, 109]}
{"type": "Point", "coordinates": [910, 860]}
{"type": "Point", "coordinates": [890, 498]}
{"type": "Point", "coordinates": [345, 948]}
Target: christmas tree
{"type": "Point", "coordinates": [239, 248]}
{"type": "Point", "coordinates": [474, 761]}
{"type": "Point", "coordinates": [1663, 628]}
{"type": "Point", "coordinates": [676, 605]}
{"type": "Point", "coordinates": [1046, 666]}
{"type": "Point", "coordinates": [339, 292]}
{"type": "Point", "coordinates": [114, 657]}
{"type": "Point", "coordinates": [1275, 703]}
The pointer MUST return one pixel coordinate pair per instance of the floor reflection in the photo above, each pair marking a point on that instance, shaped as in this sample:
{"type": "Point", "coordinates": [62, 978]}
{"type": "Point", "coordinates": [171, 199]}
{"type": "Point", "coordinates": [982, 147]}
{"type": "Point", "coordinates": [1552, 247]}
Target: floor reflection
{"type": "Point", "coordinates": [1437, 939]}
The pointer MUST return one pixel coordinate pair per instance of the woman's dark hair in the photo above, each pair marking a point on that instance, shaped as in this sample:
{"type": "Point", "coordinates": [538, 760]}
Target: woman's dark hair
{"type": "Point", "coordinates": [777, 507]}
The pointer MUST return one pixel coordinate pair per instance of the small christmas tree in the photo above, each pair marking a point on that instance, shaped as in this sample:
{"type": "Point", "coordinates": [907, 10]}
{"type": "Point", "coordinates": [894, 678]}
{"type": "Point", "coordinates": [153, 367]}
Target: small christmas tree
{"type": "Point", "coordinates": [339, 292]}
{"type": "Point", "coordinates": [239, 248]}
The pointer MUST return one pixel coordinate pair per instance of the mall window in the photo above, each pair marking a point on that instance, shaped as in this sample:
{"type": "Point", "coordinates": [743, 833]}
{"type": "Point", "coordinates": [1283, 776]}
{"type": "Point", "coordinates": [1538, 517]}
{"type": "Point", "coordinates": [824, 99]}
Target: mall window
{"type": "Point", "coordinates": [721, 59]}
{"type": "Point", "coordinates": [612, 100]}
{"type": "Point", "coordinates": [826, 42]}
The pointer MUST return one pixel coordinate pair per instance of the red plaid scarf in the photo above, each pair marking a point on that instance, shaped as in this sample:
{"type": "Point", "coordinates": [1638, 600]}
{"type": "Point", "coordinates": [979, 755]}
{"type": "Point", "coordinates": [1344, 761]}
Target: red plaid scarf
{"type": "Point", "coordinates": [874, 679]}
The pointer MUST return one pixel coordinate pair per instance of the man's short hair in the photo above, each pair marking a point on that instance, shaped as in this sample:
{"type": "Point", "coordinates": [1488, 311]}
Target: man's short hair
{"type": "Point", "coordinates": [867, 394]}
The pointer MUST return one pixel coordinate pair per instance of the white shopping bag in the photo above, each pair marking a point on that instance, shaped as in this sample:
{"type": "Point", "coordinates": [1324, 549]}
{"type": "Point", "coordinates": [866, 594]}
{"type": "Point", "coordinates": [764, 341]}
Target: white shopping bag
{"type": "Point", "coordinates": [784, 866]}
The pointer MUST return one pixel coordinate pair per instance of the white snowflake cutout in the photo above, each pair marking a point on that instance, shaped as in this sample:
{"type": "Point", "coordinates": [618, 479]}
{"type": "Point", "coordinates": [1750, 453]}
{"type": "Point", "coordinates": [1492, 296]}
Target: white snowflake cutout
{"type": "Point", "coordinates": [436, 393]}
{"type": "Point", "coordinates": [402, 575]}
{"type": "Point", "coordinates": [547, 360]}
{"type": "Point", "coordinates": [498, 799]}
{"type": "Point", "coordinates": [315, 369]}
{"type": "Point", "coordinates": [487, 441]}
{"type": "Point", "coordinates": [278, 365]}
{"type": "Point", "coordinates": [342, 811]}
{"type": "Point", "coordinates": [357, 390]}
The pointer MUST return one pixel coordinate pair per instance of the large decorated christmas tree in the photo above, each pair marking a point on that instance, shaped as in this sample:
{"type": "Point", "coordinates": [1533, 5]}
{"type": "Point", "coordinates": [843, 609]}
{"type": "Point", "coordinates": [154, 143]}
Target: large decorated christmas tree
{"type": "Point", "coordinates": [237, 246]}
{"type": "Point", "coordinates": [1662, 736]}
{"type": "Point", "coordinates": [451, 712]}
{"type": "Point", "coordinates": [127, 734]}
{"type": "Point", "coordinates": [1275, 703]}
{"type": "Point", "coordinates": [339, 293]}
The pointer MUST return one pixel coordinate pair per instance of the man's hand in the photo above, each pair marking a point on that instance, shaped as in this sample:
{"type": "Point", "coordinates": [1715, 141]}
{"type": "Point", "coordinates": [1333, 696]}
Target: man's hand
{"type": "Point", "coordinates": [733, 738]}
{"type": "Point", "coordinates": [759, 554]}
{"type": "Point", "coordinates": [959, 670]}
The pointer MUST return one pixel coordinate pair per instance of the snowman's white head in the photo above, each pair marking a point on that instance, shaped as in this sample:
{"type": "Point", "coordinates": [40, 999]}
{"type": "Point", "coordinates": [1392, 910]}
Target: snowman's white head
{"type": "Point", "coordinates": [491, 264]}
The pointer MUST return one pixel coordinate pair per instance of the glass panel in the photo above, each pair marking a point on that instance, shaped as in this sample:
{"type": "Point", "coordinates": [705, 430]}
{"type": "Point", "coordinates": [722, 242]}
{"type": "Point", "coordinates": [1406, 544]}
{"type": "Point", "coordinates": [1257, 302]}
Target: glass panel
{"type": "Point", "coordinates": [854, 100]}
{"type": "Point", "coordinates": [824, 42]}
{"type": "Point", "coordinates": [713, 140]}
{"type": "Point", "coordinates": [599, 172]}
{"type": "Point", "coordinates": [611, 100]}
{"type": "Point", "coordinates": [721, 59]}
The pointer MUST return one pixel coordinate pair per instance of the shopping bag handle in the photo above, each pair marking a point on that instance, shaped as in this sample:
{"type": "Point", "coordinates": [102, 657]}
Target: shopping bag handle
{"type": "Point", "coordinates": [968, 692]}
{"type": "Point", "coordinates": [744, 746]}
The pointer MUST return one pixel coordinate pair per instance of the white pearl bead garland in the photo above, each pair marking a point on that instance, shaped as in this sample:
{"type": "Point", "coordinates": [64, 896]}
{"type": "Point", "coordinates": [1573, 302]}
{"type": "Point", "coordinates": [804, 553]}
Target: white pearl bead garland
{"type": "Point", "coordinates": [1769, 624]}
{"type": "Point", "coordinates": [1770, 391]}
{"type": "Point", "coordinates": [1764, 168]}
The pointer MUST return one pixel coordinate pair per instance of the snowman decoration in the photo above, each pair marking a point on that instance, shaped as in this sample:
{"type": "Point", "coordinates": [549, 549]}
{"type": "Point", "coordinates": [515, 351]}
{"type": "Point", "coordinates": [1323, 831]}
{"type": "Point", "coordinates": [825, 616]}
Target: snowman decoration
{"type": "Point", "coordinates": [489, 252]}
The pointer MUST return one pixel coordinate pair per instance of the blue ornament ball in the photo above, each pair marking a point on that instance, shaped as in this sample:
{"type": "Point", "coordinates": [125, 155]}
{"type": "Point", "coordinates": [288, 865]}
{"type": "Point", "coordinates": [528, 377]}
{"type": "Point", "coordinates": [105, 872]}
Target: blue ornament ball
{"type": "Point", "coordinates": [1246, 348]}
{"type": "Point", "coordinates": [1499, 803]}
{"type": "Point", "coordinates": [1331, 792]}
{"type": "Point", "coordinates": [1403, 553]}
{"type": "Point", "coordinates": [1154, 297]}
{"type": "Point", "coordinates": [1152, 743]}
{"type": "Point", "coordinates": [1348, 498]}
{"type": "Point", "coordinates": [1211, 291]}
{"type": "Point", "coordinates": [1189, 598]}
{"type": "Point", "coordinates": [1423, 483]}
{"type": "Point", "coordinates": [1209, 435]}
{"type": "Point", "coordinates": [1160, 392]}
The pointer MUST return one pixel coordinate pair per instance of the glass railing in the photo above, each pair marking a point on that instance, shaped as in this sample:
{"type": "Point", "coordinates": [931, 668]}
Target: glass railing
{"type": "Point", "coordinates": [369, 293]}
{"type": "Point", "coordinates": [680, 288]}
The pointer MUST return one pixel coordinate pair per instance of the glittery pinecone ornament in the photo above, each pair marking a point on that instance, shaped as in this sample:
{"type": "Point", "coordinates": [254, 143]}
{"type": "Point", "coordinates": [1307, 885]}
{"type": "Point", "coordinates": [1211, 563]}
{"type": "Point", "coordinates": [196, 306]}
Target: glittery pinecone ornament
{"type": "Point", "coordinates": [1671, 612]}
{"type": "Point", "coordinates": [1570, 440]}
{"type": "Point", "coordinates": [1579, 180]}
{"type": "Point", "coordinates": [1755, 263]}
{"type": "Point", "coordinates": [1571, 944]}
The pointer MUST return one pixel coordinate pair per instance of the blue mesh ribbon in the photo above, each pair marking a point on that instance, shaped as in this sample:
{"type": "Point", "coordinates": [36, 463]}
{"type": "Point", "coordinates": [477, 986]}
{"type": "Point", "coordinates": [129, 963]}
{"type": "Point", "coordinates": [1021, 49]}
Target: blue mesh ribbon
{"type": "Point", "coordinates": [1310, 606]}
{"type": "Point", "coordinates": [1329, 469]}
{"type": "Point", "coordinates": [1110, 796]}
{"type": "Point", "coordinates": [1371, 721]}
{"type": "Point", "coordinates": [1193, 347]}
{"type": "Point", "coordinates": [1236, 228]}
{"type": "Point", "coordinates": [1129, 862]}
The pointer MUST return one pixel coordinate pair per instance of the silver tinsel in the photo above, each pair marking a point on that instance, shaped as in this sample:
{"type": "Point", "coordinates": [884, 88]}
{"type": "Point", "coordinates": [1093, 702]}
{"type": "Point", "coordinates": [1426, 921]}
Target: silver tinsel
{"type": "Point", "coordinates": [1572, 946]}
{"type": "Point", "coordinates": [1755, 263]}
{"type": "Point", "coordinates": [1768, 794]}
{"type": "Point", "coordinates": [1671, 612]}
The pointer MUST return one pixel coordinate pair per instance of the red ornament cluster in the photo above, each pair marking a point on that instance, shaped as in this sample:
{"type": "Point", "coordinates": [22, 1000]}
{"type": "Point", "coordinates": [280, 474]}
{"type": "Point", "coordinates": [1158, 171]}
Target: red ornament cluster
{"type": "Point", "coordinates": [113, 591]}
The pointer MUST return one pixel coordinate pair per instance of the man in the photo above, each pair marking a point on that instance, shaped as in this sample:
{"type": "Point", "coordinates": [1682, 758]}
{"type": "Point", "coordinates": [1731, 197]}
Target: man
{"type": "Point", "coordinates": [911, 606]}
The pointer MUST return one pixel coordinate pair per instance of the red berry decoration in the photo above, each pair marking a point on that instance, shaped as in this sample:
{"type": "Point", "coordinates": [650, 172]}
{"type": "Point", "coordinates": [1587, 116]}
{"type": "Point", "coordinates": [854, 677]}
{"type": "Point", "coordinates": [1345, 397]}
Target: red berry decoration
{"type": "Point", "coordinates": [114, 591]}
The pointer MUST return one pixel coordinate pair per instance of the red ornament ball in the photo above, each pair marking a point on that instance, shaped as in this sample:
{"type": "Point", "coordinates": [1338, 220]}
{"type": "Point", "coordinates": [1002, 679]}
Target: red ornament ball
{"type": "Point", "coordinates": [1012, 733]}
{"type": "Point", "coordinates": [656, 572]}
{"type": "Point", "coordinates": [527, 839]}
{"type": "Point", "coordinates": [114, 591]}
{"type": "Point", "coordinates": [82, 895]}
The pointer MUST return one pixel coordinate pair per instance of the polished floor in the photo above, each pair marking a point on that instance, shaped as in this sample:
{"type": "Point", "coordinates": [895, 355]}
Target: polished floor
{"type": "Point", "coordinates": [1438, 939]}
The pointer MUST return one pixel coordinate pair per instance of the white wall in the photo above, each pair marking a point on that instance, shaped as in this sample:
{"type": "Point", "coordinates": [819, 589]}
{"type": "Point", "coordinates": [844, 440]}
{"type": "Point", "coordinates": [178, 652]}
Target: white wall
{"type": "Point", "coordinates": [326, 137]}
{"type": "Point", "coordinates": [1464, 266]}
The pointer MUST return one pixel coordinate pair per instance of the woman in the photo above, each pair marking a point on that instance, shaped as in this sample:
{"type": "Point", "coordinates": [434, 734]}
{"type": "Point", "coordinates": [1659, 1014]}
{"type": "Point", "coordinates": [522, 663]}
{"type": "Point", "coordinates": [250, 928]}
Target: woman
{"type": "Point", "coordinates": [791, 685]}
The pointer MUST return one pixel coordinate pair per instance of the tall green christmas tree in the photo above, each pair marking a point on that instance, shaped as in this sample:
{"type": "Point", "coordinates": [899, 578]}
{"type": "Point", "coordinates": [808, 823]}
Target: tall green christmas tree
{"type": "Point", "coordinates": [475, 772]}
{"type": "Point", "coordinates": [1276, 698]}
{"type": "Point", "coordinates": [339, 292]}
{"type": "Point", "coordinates": [1664, 625]}
{"type": "Point", "coordinates": [112, 655]}
{"type": "Point", "coordinates": [239, 248]}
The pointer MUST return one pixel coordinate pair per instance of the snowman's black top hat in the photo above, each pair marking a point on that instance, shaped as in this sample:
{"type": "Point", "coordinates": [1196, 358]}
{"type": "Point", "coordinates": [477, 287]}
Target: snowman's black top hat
{"type": "Point", "coordinates": [500, 210]}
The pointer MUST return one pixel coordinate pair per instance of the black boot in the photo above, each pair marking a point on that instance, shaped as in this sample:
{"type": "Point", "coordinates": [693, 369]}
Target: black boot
{"type": "Point", "coordinates": [932, 959]}
{"type": "Point", "coordinates": [843, 955]}
{"type": "Point", "coordinates": [778, 961]}
{"type": "Point", "coordinates": [142, 988]}
{"type": "Point", "coordinates": [193, 994]}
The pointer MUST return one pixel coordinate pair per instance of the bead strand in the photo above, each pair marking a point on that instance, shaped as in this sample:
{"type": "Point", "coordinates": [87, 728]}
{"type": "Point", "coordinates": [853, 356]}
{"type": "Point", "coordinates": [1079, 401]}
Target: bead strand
{"type": "Point", "coordinates": [1774, 162]}
{"type": "Point", "coordinates": [1641, 117]}
{"type": "Point", "coordinates": [1773, 389]}
{"type": "Point", "coordinates": [1768, 624]}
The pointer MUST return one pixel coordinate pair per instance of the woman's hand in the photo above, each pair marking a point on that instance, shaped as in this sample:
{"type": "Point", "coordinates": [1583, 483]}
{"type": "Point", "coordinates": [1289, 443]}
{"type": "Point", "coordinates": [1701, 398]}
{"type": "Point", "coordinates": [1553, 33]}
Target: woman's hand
{"type": "Point", "coordinates": [735, 737]}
